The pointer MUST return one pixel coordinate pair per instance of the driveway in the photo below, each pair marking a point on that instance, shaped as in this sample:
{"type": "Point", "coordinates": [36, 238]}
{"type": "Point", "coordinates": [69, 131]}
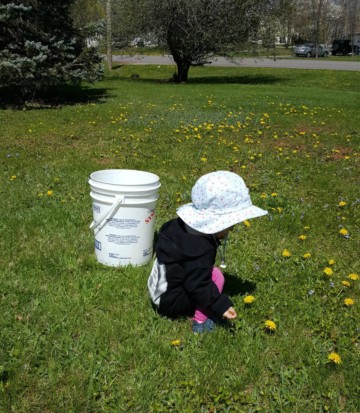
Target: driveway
{"type": "Point", "coordinates": [284, 63]}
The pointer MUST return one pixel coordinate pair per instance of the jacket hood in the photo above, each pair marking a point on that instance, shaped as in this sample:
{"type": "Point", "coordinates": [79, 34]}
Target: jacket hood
{"type": "Point", "coordinates": [176, 244]}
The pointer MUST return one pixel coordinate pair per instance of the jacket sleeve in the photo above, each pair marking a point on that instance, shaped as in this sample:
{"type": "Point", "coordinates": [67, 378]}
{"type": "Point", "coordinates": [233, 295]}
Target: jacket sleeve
{"type": "Point", "coordinates": [204, 292]}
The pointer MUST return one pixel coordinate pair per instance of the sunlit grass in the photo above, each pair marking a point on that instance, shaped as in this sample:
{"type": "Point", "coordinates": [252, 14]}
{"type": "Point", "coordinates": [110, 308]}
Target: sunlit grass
{"type": "Point", "coordinates": [80, 337]}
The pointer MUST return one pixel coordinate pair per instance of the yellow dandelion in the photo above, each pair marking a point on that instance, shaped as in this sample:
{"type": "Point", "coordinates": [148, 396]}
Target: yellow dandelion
{"type": "Point", "coordinates": [345, 283]}
{"type": "Point", "coordinates": [344, 232]}
{"type": "Point", "coordinates": [203, 159]}
{"type": "Point", "coordinates": [286, 253]}
{"type": "Point", "coordinates": [274, 194]}
{"type": "Point", "coordinates": [176, 343]}
{"type": "Point", "coordinates": [50, 193]}
{"type": "Point", "coordinates": [328, 271]}
{"type": "Point", "coordinates": [342, 204]}
{"type": "Point", "coordinates": [249, 299]}
{"type": "Point", "coordinates": [247, 224]}
{"type": "Point", "coordinates": [270, 325]}
{"type": "Point", "coordinates": [331, 262]}
{"type": "Point", "coordinates": [334, 357]}
{"type": "Point", "coordinates": [263, 195]}
{"type": "Point", "coordinates": [302, 237]}
{"type": "Point", "coordinates": [353, 277]}
{"type": "Point", "coordinates": [307, 227]}
{"type": "Point", "coordinates": [13, 177]}
{"type": "Point", "coordinates": [349, 302]}
{"type": "Point", "coordinates": [307, 255]}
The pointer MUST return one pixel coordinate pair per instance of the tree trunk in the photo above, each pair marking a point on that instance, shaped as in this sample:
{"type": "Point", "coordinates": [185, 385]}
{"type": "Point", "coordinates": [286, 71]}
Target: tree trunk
{"type": "Point", "coordinates": [183, 64]}
{"type": "Point", "coordinates": [182, 71]}
{"type": "Point", "coordinates": [108, 35]}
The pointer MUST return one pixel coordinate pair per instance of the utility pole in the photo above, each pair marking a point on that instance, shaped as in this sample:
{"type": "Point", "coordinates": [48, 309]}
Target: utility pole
{"type": "Point", "coordinates": [108, 34]}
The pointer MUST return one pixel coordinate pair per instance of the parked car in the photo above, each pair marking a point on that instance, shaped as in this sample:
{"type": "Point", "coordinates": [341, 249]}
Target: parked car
{"type": "Point", "coordinates": [343, 47]}
{"type": "Point", "coordinates": [309, 50]}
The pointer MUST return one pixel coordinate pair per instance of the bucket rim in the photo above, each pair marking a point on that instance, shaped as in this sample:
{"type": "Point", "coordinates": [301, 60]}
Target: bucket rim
{"type": "Point", "coordinates": [113, 189]}
{"type": "Point", "coordinates": [152, 178]}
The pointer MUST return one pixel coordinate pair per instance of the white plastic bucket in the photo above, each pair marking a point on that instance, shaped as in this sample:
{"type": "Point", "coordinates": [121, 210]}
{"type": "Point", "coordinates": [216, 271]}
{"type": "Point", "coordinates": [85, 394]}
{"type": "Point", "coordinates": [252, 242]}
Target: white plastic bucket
{"type": "Point", "coordinates": [124, 215]}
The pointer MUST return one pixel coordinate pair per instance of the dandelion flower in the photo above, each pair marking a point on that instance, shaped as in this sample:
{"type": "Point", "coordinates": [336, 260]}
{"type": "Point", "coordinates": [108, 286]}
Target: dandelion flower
{"type": "Point", "coordinates": [274, 194]}
{"type": "Point", "coordinates": [334, 357]}
{"type": "Point", "coordinates": [302, 237]}
{"type": "Point", "coordinates": [247, 224]}
{"type": "Point", "coordinates": [345, 283]}
{"type": "Point", "coordinates": [349, 302]}
{"type": "Point", "coordinates": [342, 204]}
{"type": "Point", "coordinates": [13, 177]}
{"type": "Point", "coordinates": [176, 343]}
{"type": "Point", "coordinates": [270, 325]}
{"type": "Point", "coordinates": [344, 232]}
{"type": "Point", "coordinates": [332, 262]}
{"type": "Point", "coordinates": [328, 271]}
{"type": "Point", "coordinates": [49, 193]}
{"type": "Point", "coordinates": [249, 299]}
{"type": "Point", "coordinates": [307, 227]}
{"type": "Point", "coordinates": [286, 253]}
{"type": "Point", "coordinates": [353, 277]}
{"type": "Point", "coordinates": [307, 255]}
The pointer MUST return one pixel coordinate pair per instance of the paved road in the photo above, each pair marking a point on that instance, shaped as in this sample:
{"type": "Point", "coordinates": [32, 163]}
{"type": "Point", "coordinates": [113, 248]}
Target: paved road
{"type": "Point", "coordinates": [285, 63]}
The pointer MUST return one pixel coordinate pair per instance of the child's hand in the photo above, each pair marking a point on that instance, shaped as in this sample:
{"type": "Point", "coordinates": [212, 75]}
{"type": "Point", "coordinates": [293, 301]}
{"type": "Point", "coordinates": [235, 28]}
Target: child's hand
{"type": "Point", "coordinates": [230, 314]}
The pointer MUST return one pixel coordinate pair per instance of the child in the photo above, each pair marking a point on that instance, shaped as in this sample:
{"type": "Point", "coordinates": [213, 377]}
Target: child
{"type": "Point", "coordinates": [183, 280]}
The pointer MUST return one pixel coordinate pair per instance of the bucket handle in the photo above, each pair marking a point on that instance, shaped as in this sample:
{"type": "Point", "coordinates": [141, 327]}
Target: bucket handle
{"type": "Point", "coordinates": [117, 202]}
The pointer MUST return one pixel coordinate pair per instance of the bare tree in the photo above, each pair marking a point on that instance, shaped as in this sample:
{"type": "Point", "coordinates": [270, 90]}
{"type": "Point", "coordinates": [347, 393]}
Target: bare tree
{"type": "Point", "coordinates": [108, 34]}
{"type": "Point", "coordinates": [353, 21]}
{"type": "Point", "coordinates": [86, 12]}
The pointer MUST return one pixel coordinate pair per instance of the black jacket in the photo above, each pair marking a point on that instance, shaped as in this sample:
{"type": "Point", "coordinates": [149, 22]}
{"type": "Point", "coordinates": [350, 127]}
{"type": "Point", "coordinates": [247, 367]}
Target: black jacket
{"type": "Point", "coordinates": [185, 262]}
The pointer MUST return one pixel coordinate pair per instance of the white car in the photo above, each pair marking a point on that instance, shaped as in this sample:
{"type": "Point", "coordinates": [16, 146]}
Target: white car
{"type": "Point", "coordinates": [309, 50]}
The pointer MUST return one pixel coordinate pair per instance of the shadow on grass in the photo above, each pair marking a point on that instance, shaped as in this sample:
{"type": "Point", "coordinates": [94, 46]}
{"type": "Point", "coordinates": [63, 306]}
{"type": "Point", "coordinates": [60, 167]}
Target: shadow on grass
{"type": "Point", "coordinates": [60, 96]}
{"type": "Point", "coordinates": [196, 78]}
{"type": "Point", "coordinates": [241, 80]}
{"type": "Point", "coordinates": [236, 286]}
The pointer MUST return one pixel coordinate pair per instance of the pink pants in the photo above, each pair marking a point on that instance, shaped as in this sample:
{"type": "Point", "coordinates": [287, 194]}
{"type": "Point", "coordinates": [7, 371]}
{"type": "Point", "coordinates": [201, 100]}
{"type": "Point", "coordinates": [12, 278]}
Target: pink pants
{"type": "Point", "coordinates": [201, 315]}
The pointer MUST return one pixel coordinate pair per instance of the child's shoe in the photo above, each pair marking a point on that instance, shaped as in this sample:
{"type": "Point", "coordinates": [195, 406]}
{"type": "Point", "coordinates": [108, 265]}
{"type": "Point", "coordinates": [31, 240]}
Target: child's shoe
{"type": "Point", "coordinates": [206, 326]}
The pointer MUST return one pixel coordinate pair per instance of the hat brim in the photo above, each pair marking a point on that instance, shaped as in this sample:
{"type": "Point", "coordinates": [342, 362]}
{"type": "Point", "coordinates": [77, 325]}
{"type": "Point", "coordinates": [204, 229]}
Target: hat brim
{"type": "Point", "coordinates": [212, 223]}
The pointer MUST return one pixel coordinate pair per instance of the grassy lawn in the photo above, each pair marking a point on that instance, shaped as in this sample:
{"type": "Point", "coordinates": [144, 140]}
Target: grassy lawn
{"type": "Point", "coordinates": [76, 336]}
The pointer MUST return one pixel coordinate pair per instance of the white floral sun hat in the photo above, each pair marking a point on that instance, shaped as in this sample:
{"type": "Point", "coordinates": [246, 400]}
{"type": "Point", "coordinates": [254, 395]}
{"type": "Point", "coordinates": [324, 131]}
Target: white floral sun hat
{"type": "Point", "coordinates": [219, 200]}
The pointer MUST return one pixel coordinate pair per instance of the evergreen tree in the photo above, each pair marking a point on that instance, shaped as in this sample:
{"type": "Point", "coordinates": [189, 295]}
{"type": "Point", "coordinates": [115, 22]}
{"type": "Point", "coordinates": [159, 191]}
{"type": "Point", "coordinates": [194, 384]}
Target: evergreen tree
{"type": "Point", "coordinates": [40, 48]}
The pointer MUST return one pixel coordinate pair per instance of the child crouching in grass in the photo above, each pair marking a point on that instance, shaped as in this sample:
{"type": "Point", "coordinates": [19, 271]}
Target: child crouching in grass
{"type": "Point", "coordinates": [183, 280]}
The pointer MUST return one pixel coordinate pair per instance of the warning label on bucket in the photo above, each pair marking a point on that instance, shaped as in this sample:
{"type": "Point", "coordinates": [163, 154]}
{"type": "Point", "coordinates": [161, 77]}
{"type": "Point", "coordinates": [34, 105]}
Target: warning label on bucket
{"type": "Point", "coordinates": [123, 239]}
{"type": "Point", "coordinates": [123, 223]}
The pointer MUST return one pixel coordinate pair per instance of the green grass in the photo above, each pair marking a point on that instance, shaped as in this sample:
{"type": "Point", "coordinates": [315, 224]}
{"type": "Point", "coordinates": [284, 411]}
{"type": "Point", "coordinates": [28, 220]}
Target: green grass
{"type": "Point", "coordinates": [76, 336]}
